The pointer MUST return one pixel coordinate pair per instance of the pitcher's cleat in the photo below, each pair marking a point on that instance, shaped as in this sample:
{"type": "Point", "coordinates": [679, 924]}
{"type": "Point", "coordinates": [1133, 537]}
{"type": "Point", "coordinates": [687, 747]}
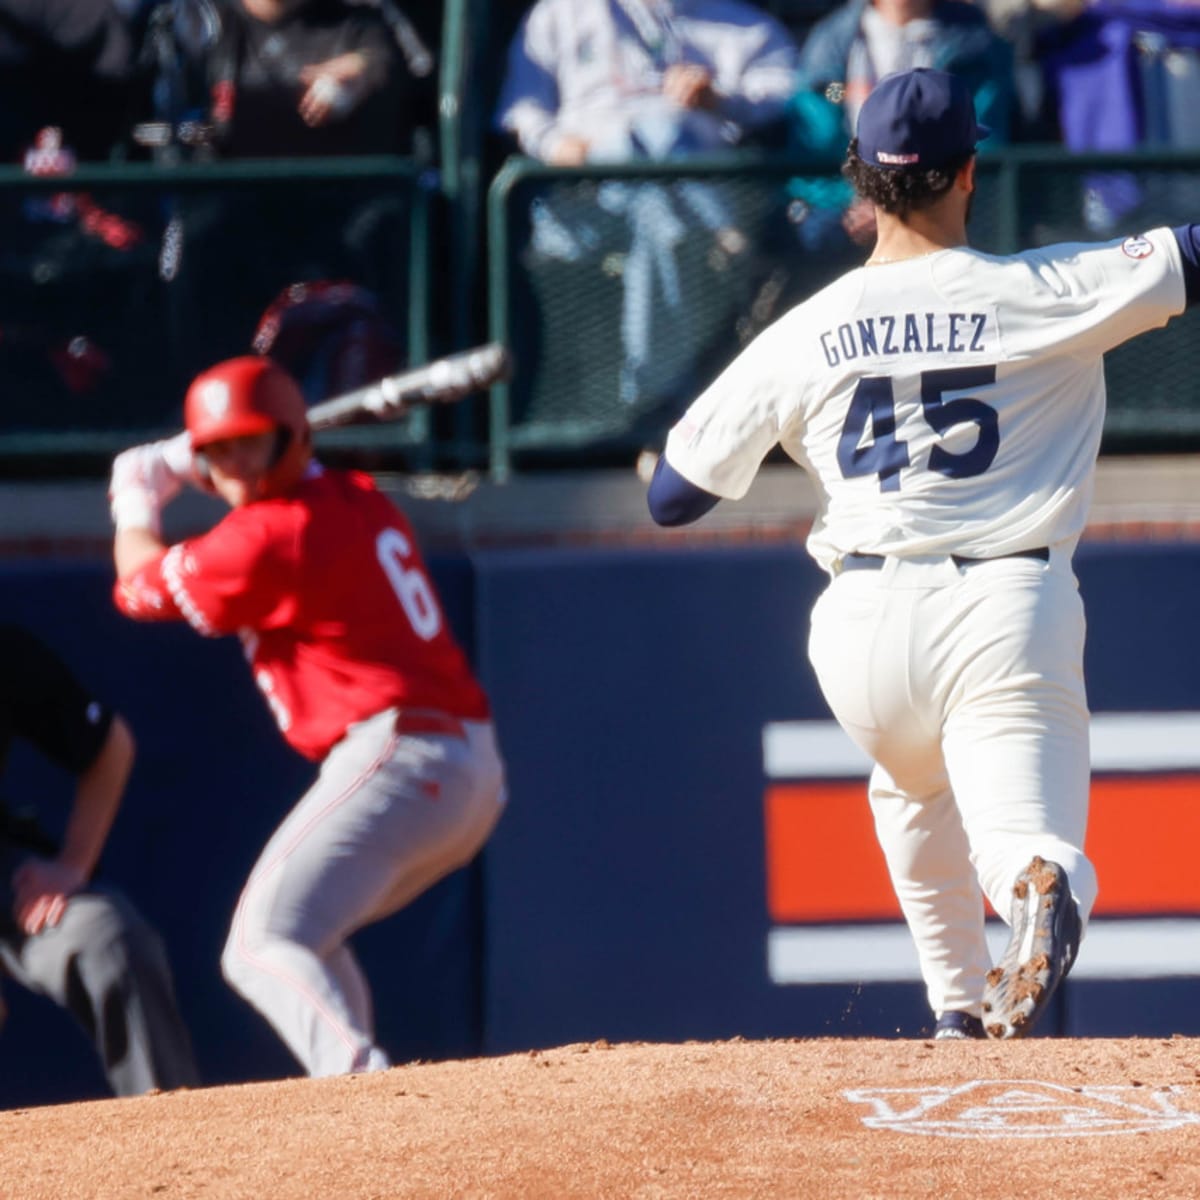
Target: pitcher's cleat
{"type": "Point", "coordinates": [1040, 952]}
{"type": "Point", "coordinates": [953, 1026]}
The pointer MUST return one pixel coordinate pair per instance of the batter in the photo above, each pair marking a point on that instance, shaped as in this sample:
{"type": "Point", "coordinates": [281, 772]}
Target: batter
{"type": "Point", "coordinates": [320, 577]}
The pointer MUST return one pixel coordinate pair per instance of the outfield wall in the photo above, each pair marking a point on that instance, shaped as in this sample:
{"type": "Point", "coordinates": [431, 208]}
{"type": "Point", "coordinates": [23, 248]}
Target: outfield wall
{"type": "Point", "coordinates": [687, 852]}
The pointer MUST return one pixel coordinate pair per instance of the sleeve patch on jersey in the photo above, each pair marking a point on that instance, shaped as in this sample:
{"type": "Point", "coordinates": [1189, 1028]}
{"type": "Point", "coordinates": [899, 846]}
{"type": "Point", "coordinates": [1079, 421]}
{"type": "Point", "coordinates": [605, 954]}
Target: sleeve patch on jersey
{"type": "Point", "coordinates": [173, 568]}
{"type": "Point", "coordinates": [1137, 247]}
{"type": "Point", "coordinates": [139, 599]}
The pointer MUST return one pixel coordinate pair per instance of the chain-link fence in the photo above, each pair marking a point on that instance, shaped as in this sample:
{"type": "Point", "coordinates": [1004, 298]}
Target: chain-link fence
{"type": "Point", "coordinates": [118, 284]}
{"type": "Point", "coordinates": [623, 293]}
{"type": "Point", "coordinates": [1153, 392]}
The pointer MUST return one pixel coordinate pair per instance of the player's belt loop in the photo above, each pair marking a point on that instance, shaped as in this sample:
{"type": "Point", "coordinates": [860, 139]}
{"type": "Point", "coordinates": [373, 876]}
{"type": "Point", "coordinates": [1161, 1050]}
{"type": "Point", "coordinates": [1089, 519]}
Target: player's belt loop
{"type": "Point", "coordinates": [428, 720]}
{"type": "Point", "coordinates": [874, 562]}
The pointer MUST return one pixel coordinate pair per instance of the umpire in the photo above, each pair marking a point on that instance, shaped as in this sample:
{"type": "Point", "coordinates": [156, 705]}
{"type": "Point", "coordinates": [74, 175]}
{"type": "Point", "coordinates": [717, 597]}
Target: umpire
{"type": "Point", "coordinates": [81, 944]}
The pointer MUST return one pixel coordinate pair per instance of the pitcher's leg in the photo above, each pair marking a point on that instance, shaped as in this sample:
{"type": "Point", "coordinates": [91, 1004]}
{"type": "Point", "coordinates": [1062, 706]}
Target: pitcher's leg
{"type": "Point", "coordinates": [1024, 792]}
{"type": "Point", "coordinates": [1017, 750]}
{"type": "Point", "coordinates": [929, 862]}
{"type": "Point", "coordinates": [859, 643]}
{"type": "Point", "coordinates": [1016, 743]}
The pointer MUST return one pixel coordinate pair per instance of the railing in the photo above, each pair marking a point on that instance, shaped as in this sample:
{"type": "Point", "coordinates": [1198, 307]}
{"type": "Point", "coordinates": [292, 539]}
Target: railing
{"type": "Point", "coordinates": [118, 283]}
{"type": "Point", "coordinates": [601, 275]}
{"type": "Point", "coordinates": [621, 291]}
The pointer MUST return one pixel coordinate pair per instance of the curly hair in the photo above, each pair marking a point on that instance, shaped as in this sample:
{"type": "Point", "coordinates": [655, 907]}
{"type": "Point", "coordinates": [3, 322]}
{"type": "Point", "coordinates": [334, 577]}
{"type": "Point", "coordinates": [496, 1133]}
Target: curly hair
{"type": "Point", "coordinates": [900, 191]}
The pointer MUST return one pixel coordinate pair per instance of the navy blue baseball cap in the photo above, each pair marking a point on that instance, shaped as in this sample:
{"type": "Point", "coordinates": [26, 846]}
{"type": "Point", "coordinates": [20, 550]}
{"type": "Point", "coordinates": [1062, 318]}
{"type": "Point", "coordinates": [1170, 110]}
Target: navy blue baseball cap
{"type": "Point", "coordinates": [919, 118]}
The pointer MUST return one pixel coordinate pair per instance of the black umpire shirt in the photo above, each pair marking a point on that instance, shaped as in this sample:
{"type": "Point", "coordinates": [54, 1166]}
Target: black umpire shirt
{"type": "Point", "coordinates": [42, 702]}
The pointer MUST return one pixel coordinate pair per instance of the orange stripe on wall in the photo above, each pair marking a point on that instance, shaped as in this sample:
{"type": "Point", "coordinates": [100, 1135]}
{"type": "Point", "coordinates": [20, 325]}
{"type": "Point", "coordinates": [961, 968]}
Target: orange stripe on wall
{"type": "Point", "coordinates": [824, 864]}
{"type": "Point", "coordinates": [1143, 832]}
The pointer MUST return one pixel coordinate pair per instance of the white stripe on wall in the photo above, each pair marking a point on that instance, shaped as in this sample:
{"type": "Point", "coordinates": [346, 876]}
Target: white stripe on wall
{"type": "Point", "coordinates": [1134, 949]}
{"type": "Point", "coordinates": [1146, 741]}
{"type": "Point", "coordinates": [811, 750]}
{"type": "Point", "coordinates": [1120, 742]}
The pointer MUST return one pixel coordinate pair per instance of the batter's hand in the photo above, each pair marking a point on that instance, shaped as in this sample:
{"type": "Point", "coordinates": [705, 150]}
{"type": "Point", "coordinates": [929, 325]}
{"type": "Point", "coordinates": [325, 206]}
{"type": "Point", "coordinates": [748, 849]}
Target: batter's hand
{"type": "Point", "coordinates": [160, 468]}
{"type": "Point", "coordinates": [147, 478]}
{"type": "Point", "coordinates": [41, 889]}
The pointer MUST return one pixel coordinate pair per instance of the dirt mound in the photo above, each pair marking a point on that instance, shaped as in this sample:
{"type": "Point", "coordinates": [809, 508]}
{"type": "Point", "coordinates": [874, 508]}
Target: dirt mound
{"type": "Point", "coordinates": [823, 1118]}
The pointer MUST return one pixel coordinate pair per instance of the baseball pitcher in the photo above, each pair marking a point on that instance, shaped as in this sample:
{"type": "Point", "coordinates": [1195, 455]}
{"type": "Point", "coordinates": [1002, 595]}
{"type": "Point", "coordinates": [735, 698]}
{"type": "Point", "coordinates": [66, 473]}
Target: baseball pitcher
{"type": "Point", "coordinates": [948, 404]}
{"type": "Point", "coordinates": [320, 577]}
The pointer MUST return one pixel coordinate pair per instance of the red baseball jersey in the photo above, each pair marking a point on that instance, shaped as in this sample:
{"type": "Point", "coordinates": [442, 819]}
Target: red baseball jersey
{"type": "Point", "coordinates": [329, 594]}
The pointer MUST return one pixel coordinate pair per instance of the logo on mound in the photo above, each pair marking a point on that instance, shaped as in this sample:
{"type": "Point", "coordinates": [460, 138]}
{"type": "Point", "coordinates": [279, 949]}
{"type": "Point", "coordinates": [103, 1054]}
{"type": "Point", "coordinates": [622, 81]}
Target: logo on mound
{"type": "Point", "coordinates": [1000, 1108]}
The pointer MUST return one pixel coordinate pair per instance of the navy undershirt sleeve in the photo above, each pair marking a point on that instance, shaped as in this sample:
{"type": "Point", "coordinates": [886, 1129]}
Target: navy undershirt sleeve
{"type": "Point", "coordinates": [1188, 237]}
{"type": "Point", "coordinates": [673, 500]}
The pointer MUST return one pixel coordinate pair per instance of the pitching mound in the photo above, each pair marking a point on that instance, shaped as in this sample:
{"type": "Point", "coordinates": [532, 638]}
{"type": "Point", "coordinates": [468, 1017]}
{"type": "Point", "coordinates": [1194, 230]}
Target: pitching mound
{"type": "Point", "coordinates": [828, 1118]}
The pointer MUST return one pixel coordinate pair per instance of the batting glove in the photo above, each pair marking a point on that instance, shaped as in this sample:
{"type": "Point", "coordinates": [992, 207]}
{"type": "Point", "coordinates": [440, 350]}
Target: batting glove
{"type": "Point", "coordinates": [147, 478]}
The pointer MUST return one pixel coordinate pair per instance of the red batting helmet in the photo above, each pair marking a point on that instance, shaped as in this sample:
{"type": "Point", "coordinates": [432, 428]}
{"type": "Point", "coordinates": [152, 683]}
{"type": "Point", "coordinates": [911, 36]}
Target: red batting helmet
{"type": "Point", "coordinates": [248, 395]}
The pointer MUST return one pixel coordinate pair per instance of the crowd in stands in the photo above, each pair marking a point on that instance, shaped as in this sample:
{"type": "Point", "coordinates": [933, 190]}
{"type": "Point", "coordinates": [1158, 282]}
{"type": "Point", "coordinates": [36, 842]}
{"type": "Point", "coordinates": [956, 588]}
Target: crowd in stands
{"type": "Point", "coordinates": [571, 83]}
{"type": "Point", "coordinates": [238, 78]}
{"type": "Point", "coordinates": [332, 77]}
{"type": "Point", "coordinates": [700, 80]}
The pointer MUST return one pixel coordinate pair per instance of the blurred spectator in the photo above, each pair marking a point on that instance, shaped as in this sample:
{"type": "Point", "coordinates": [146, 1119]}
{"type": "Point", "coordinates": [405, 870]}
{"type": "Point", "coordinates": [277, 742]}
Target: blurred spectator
{"type": "Point", "coordinates": [860, 42]}
{"type": "Point", "coordinates": [845, 55]}
{"type": "Point", "coordinates": [331, 336]}
{"type": "Point", "coordinates": [591, 80]}
{"type": "Point", "coordinates": [65, 63]}
{"type": "Point", "coordinates": [594, 81]}
{"type": "Point", "coordinates": [76, 268]}
{"type": "Point", "coordinates": [1024, 24]}
{"type": "Point", "coordinates": [1122, 76]}
{"type": "Point", "coordinates": [286, 78]}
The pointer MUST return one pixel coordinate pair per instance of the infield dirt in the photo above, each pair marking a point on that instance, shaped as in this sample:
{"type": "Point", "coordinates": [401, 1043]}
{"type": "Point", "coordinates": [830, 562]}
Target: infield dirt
{"type": "Point", "coordinates": [1068, 1119]}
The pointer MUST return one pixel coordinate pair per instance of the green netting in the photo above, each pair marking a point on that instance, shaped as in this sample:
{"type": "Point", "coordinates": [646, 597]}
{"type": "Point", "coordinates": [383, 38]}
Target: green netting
{"type": "Point", "coordinates": [119, 286]}
{"type": "Point", "coordinates": [583, 297]}
{"type": "Point", "coordinates": [626, 295]}
{"type": "Point", "coordinates": [1153, 393]}
{"type": "Point", "coordinates": [563, 244]}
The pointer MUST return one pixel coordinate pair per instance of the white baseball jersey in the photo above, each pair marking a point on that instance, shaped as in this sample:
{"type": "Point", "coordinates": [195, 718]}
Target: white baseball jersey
{"type": "Point", "coordinates": [947, 404]}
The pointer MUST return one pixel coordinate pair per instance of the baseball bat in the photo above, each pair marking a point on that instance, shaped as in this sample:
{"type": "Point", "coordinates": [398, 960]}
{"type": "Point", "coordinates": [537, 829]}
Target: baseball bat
{"type": "Point", "coordinates": [442, 381]}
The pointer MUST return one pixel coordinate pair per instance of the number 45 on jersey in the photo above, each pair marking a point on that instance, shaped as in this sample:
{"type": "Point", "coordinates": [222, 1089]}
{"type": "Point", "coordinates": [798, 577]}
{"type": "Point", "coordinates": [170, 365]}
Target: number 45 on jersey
{"type": "Point", "coordinates": [884, 454]}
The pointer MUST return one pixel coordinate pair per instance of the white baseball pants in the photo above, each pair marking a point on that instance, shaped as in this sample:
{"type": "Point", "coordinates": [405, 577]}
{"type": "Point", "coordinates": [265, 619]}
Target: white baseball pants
{"type": "Point", "coordinates": [391, 812]}
{"type": "Point", "coordinates": [965, 686]}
